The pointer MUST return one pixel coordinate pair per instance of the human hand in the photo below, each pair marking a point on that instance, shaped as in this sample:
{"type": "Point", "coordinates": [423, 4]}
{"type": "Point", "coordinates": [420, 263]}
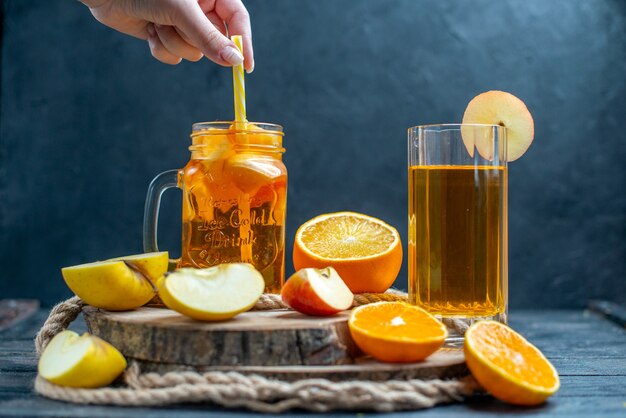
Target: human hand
{"type": "Point", "coordinates": [177, 29]}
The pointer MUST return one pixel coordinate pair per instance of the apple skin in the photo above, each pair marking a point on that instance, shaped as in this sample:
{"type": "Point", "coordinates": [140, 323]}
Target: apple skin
{"type": "Point", "coordinates": [153, 265]}
{"type": "Point", "coordinates": [110, 285]}
{"type": "Point", "coordinates": [299, 293]}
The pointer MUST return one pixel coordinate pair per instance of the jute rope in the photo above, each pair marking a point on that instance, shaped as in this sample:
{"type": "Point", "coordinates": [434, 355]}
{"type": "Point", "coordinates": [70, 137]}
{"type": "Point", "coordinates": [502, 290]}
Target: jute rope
{"type": "Point", "coordinates": [257, 393]}
{"type": "Point", "coordinates": [60, 317]}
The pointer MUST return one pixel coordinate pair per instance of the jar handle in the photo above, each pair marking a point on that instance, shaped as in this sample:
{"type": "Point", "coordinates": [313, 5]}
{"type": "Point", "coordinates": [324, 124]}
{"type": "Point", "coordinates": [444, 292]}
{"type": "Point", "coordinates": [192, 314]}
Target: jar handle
{"type": "Point", "coordinates": [162, 182]}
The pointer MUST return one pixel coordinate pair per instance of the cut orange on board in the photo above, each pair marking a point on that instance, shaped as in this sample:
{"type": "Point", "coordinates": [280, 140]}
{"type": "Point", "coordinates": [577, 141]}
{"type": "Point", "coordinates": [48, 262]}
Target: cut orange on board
{"type": "Point", "coordinates": [396, 331]}
{"type": "Point", "coordinates": [365, 251]}
{"type": "Point", "coordinates": [507, 366]}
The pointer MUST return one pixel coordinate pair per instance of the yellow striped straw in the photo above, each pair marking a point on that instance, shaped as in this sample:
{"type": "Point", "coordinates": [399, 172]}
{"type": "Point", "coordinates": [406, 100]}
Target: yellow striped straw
{"type": "Point", "coordinates": [239, 85]}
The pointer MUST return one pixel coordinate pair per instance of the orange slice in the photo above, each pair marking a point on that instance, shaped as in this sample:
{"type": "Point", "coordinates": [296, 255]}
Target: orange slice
{"type": "Point", "coordinates": [509, 367]}
{"type": "Point", "coordinates": [499, 108]}
{"type": "Point", "coordinates": [396, 331]}
{"type": "Point", "coordinates": [365, 251]}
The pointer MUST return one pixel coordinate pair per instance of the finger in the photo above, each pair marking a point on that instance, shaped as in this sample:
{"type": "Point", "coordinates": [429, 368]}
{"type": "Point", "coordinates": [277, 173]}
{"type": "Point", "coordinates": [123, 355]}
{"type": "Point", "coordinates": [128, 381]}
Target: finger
{"type": "Point", "coordinates": [213, 18]}
{"type": "Point", "coordinates": [237, 18]}
{"type": "Point", "coordinates": [158, 50]}
{"type": "Point", "coordinates": [208, 39]}
{"type": "Point", "coordinates": [182, 35]}
{"type": "Point", "coordinates": [173, 42]}
{"type": "Point", "coordinates": [217, 22]}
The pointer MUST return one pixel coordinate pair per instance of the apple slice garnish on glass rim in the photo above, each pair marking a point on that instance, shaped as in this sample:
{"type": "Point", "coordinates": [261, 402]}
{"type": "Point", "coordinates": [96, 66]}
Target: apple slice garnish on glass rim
{"type": "Point", "coordinates": [498, 108]}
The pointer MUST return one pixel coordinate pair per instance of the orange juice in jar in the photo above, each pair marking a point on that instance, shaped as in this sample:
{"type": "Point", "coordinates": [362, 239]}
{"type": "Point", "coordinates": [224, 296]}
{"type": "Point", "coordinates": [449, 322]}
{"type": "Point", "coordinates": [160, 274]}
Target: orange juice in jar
{"type": "Point", "coordinates": [234, 199]}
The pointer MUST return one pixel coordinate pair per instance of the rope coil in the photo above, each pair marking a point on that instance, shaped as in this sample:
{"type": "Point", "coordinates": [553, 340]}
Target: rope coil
{"type": "Point", "coordinates": [254, 392]}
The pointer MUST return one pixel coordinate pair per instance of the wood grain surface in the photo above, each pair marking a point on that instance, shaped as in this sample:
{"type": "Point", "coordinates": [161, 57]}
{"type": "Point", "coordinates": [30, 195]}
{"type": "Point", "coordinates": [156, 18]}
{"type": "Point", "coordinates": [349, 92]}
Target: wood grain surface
{"type": "Point", "coordinates": [12, 311]}
{"type": "Point", "coordinates": [444, 364]}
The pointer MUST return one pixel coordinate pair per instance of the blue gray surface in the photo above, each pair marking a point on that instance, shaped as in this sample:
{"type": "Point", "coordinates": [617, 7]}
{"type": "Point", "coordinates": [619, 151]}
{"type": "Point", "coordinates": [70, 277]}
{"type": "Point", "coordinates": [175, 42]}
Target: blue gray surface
{"type": "Point", "coordinates": [89, 117]}
{"type": "Point", "coordinates": [587, 351]}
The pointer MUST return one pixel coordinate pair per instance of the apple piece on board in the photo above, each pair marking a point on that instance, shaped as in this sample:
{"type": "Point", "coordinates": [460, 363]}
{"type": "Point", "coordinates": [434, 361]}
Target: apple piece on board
{"type": "Point", "coordinates": [318, 292]}
{"type": "Point", "coordinates": [117, 285]}
{"type": "Point", "coordinates": [153, 265]}
{"type": "Point", "coordinates": [212, 294]}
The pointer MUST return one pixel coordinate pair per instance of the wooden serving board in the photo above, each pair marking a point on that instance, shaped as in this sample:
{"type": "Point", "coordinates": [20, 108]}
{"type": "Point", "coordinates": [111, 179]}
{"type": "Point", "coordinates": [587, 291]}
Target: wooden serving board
{"type": "Point", "coordinates": [444, 364]}
{"type": "Point", "coordinates": [278, 343]}
{"type": "Point", "coordinates": [256, 338]}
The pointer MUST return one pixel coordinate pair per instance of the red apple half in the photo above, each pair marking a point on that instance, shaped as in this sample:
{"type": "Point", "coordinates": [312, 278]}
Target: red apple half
{"type": "Point", "coordinates": [318, 292]}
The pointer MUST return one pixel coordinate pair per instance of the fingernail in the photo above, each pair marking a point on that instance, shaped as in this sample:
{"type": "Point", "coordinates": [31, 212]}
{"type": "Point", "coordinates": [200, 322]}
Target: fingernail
{"type": "Point", "coordinates": [251, 69]}
{"type": "Point", "coordinates": [231, 55]}
{"type": "Point", "coordinates": [151, 31]}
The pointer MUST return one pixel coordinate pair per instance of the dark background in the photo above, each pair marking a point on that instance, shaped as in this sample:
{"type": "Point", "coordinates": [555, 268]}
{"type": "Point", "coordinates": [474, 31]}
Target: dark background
{"type": "Point", "coordinates": [88, 117]}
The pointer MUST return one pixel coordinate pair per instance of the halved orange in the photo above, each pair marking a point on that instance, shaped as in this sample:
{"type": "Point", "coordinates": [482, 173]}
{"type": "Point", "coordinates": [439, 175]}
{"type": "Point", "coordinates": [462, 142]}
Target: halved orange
{"type": "Point", "coordinates": [396, 331]}
{"type": "Point", "coordinates": [507, 366]}
{"type": "Point", "coordinates": [365, 251]}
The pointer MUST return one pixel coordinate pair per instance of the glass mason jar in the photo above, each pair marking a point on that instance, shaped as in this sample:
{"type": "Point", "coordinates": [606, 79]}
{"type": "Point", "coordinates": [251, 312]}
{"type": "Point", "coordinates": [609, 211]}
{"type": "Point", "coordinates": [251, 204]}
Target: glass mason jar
{"type": "Point", "coordinates": [234, 199]}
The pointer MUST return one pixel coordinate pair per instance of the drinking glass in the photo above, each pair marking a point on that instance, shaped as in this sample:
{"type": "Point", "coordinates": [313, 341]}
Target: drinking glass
{"type": "Point", "coordinates": [458, 241]}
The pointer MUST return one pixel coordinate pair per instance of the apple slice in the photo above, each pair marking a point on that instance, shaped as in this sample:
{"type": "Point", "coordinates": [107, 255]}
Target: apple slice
{"type": "Point", "coordinates": [212, 294]}
{"type": "Point", "coordinates": [213, 144]}
{"type": "Point", "coordinates": [117, 285]}
{"type": "Point", "coordinates": [80, 361]}
{"type": "Point", "coordinates": [153, 265]}
{"type": "Point", "coordinates": [317, 292]}
{"type": "Point", "coordinates": [250, 171]}
{"type": "Point", "coordinates": [499, 108]}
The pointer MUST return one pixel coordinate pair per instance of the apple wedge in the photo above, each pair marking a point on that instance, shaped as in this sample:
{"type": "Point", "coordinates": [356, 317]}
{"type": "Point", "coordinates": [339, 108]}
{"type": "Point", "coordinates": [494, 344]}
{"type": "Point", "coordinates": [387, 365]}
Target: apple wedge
{"type": "Point", "coordinates": [212, 294]}
{"type": "Point", "coordinates": [80, 361]}
{"type": "Point", "coordinates": [153, 265]}
{"type": "Point", "coordinates": [498, 108]}
{"type": "Point", "coordinates": [117, 285]}
{"type": "Point", "coordinates": [249, 171]}
{"type": "Point", "coordinates": [318, 292]}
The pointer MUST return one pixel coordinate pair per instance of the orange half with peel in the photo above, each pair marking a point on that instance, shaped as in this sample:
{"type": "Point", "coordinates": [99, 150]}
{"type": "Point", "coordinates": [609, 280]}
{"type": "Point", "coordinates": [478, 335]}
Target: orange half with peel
{"type": "Point", "coordinates": [507, 366]}
{"type": "Point", "coordinates": [396, 331]}
{"type": "Point", "coordinates": [365, 251]}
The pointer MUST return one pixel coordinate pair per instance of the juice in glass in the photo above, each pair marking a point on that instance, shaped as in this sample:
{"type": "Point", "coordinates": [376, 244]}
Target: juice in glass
{"type": "Point", "coordinates": [455, 253]}
{"type": "Point", "coordinates": [234, 199]}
